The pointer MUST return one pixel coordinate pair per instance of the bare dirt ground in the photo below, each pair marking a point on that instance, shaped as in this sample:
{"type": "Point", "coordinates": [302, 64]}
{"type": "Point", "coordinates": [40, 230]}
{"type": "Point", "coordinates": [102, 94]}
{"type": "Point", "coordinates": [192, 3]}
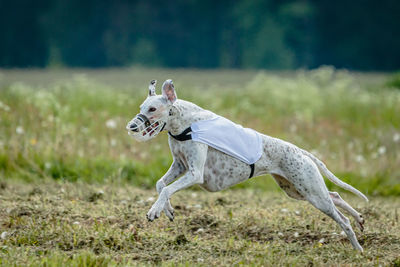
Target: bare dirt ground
{"type": "Point", "coordinates": [78, 224]}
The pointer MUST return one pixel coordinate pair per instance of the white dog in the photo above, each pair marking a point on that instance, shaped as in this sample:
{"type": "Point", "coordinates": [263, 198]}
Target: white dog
{"type": "Point", "coordinates": [215, 153]}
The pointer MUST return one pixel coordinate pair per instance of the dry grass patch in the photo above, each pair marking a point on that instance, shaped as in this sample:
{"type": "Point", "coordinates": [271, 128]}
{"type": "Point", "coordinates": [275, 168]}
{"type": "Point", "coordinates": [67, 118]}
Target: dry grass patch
{"type": "Point", "coordinates": [92, 225]}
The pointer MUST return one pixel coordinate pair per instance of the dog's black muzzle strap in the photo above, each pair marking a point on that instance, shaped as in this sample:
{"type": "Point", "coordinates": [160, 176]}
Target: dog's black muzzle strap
{"type": "Point", "coordinates": [145, 120]}
{"type": "Point", "coordinates": [185, 135]}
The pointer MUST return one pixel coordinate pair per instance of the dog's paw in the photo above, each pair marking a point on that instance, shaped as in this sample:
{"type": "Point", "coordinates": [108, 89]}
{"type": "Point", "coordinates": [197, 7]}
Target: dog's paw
{"type": "Point", "coordinates": [153, 213]}
{"type": "Point", "coordinates": [360, 222]}
{"type": "Point", "coordinates": [169, 211]}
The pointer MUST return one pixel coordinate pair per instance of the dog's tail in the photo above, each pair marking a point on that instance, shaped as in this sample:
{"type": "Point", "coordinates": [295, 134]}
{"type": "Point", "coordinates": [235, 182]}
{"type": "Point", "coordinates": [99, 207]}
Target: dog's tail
{"type": "Point", "coordinates": [321, 166]}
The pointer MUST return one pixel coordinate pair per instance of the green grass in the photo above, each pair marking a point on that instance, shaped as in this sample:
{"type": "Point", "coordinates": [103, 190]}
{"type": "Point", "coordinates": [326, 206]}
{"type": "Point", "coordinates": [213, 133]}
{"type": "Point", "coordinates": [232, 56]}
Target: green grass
{"type": "Point", "coordinates": [61, 223]}
{"type": "Point", "coordinates": [63, 138]}
{"type": "Point", "coordinates": [70, 124]}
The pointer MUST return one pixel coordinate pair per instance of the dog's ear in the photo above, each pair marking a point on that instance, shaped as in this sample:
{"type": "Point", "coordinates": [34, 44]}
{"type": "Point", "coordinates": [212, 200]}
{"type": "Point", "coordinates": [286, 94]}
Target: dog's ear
{"type": "Point", "coordinates": [168, 91]}
{"type": "Point", "coordinates": [152, 88]}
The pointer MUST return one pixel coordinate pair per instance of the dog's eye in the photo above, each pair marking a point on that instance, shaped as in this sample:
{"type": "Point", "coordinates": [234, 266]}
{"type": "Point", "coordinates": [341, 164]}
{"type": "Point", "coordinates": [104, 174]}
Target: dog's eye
{"type": "Point", "coordinates": [152, 109]}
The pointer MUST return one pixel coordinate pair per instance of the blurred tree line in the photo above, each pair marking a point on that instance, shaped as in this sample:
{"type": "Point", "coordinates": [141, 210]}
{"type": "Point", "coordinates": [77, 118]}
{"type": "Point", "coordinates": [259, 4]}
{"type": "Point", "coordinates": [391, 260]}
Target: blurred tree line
{"type": "Point", "coordinates": [271, 34]}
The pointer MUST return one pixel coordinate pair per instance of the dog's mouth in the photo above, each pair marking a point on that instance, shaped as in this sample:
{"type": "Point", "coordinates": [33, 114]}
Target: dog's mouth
{"type": "Point", "coordinates": [151, 129]}
{"type": "Point", "coordinates": [142, 129]}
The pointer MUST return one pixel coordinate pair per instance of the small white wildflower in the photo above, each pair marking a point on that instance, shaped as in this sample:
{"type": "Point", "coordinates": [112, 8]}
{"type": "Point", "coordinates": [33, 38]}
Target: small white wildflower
{"type": "Point", "coordinates": [19, 130]}
{"type": "Point", "coordinates": [199, 231]}
{"type": "Point", "coordinates": [200, 260]}
{"type": "Point", "coordinates": [194, 195]}
{"type": "Point", "coordinates": [382, 150]}
{"type": "Point", "coordinates": [296, 234]}
{"type": "Point", "coordinates": [111, 124]}
{"type": "Point", "coordinates": [100, 192]}
{"type": "Point", "coordinates": [197, 206]}
{"type": "Point", "coordinates": [157, 147]}
{"type": "Point", "coordinates": [364, 172]}
{"type": "Point", "coordinates": [342, 233]}
{"type": "Point", "coordinates": [113, 142]}
{"type": "Point", "coordinates": [359, 158]}
{"type": "Point", "coordinates": [47, 165]}
{"type": "Point", "coordinates": [321, 241]}
{"type": "Point", "coordinates": [396, 137]}
{"type": "Point", "coordinates": [350, 145]}
{"type": "Point", "coordinates": [150, 199]}
{"type": "Point", "coordinates": [4, 235]}
{"type": "Point", "coordinates": [297, 212]}
{"type": "Point", "coordinates": [4, 106]}
{"type": "Point", "coordinates": [280, 234]}
{"type": "Point", "coordinates": [76, 223]}
{"type": "Point", "coordinates": [284, 210]}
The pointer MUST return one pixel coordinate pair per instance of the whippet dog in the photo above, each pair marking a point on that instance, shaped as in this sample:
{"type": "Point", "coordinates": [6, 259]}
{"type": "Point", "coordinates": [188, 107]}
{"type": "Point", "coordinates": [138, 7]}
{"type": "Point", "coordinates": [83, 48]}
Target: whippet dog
{"type": "Point", "coordinates": [296, 171]}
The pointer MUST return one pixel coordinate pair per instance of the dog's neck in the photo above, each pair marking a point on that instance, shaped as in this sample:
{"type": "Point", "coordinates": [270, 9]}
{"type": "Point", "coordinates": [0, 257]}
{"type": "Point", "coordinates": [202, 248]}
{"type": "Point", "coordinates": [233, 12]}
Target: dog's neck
{"type": "Point", "coordinates": [183, 114]}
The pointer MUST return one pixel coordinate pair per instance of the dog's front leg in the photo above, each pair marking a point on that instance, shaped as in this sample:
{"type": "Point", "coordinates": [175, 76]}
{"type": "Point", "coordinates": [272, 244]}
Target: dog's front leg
{"type": "Point", "coordinates": [176, 170]}
{"type": "Point", "coordinates": [190, 178]}
{"type": "Point", "coordinates": [196, 155]}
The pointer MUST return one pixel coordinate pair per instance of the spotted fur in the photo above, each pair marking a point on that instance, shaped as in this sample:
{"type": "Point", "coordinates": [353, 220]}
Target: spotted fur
{"type": "Point", "coordinates": [296, 171]}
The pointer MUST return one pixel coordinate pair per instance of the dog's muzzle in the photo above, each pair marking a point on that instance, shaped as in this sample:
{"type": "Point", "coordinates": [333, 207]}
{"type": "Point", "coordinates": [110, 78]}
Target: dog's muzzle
{"type": "Point", "coordinates": [142, 129]}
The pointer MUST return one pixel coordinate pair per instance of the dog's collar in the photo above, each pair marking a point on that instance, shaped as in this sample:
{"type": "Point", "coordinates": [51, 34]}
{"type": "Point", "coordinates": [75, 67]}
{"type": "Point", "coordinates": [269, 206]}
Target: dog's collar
{"type": "Point", "coordinates": [184, 136]}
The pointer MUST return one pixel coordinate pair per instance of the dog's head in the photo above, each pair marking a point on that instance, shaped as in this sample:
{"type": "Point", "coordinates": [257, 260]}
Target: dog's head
{"type": "Point", "coordinates": [154, 112]}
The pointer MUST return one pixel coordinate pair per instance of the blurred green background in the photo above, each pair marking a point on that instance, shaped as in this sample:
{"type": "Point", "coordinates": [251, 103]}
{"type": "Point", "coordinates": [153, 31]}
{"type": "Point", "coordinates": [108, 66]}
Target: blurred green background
{"type": "Point", "coordinates": [72, 73]}
{"type": "Point", "coordinates": [70, 124]}
{"type": "Point", "coordinates": [288, 34]}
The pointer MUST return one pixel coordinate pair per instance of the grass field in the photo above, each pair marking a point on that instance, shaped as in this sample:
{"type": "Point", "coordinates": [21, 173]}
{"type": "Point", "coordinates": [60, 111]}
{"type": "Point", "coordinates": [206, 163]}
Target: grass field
{"type": "Point", "coordinates": [56, 224]}
{"type": "Point", "coordinates": [63, 138]}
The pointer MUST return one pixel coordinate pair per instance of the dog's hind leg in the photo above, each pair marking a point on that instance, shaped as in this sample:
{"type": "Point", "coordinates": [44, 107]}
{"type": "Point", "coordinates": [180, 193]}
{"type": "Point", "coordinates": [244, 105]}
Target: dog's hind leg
{"type": "Point", "coordinates": [310, 183]}
{"type": "Point", "coordinates": [338, 201]}
{"type": "Point", "coordinates": [327, 207]}
{"type": "Point", "coordinates": [288, 187]}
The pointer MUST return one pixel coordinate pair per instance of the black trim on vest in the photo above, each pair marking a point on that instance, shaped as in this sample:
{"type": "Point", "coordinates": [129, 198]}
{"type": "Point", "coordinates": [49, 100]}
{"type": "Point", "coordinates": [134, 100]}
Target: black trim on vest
{"type": "Point", "coordinates": [185, 135]}
{"type": "Point", "coordinates": [252, 170]}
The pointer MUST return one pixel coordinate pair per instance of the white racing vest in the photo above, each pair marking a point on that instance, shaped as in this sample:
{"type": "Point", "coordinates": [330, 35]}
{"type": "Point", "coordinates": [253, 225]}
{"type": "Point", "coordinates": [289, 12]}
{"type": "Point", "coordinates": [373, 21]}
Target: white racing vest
{"type": "Point", "coordinates": [226, 136]}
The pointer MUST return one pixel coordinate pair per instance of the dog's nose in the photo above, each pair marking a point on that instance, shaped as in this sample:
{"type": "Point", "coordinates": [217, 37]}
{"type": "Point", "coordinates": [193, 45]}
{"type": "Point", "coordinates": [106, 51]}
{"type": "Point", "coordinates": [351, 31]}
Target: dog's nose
{"type": "Point", "coordinates": [133, 127]}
